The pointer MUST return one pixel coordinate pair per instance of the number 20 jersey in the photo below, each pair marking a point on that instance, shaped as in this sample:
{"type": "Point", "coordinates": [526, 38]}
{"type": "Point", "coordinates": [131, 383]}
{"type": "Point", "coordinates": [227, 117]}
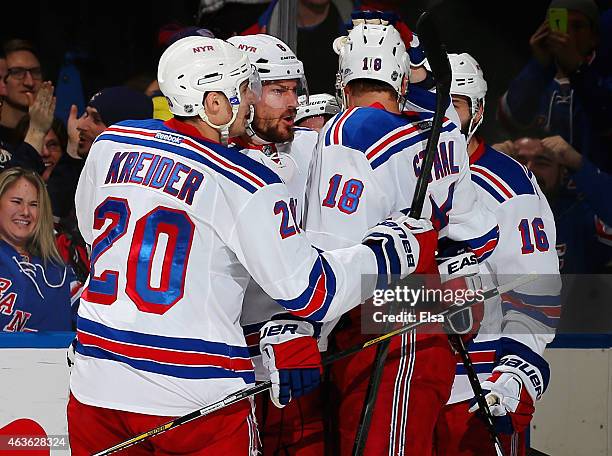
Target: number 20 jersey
{"type": "Point", "coordinates": [177, 226]}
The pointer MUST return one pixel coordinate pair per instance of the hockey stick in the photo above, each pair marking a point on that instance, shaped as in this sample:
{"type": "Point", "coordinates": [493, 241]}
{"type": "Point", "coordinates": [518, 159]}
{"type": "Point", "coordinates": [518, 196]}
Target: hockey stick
{"type": "Point", "coordinates": [440, 67]}
{"type": "Point", "coordinates": [483, 405]}
{"type": "Point", "coordinates": [253, 390]}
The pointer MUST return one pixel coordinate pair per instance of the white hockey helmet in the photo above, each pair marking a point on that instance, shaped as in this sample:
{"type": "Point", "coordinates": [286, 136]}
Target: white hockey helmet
{"type": "Point", "coordinates": [194, 65]}
{"type": "Point", "coordinates": [372, 51]}
{"type": "Point", "coordinates": [321, 104]}
{"type": "Point", "coordinates": [273, 59]}
{"type": "Point", "coordinates": [468, 81]}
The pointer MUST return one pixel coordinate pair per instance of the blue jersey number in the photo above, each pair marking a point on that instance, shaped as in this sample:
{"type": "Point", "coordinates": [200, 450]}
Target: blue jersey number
{"type": "Point", "coordinates": [349, 198]}
{"type": "Point", "coordinates": [161, 225]}
{"type": "Point", "coordinates": [289, 225]}
{"type": "Point", "coordinates": [539, 236]}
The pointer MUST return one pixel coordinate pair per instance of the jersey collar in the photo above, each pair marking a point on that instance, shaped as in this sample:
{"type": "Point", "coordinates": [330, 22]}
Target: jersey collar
{"type": "Point", "coordinates": [187, 129]}
{"type": "Point", "coordinates": [479, 152]}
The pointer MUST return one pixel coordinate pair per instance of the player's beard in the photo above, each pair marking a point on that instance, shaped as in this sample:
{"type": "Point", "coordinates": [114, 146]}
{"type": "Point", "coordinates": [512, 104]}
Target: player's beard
{"type": "Point", "coordinates": [275, 129]}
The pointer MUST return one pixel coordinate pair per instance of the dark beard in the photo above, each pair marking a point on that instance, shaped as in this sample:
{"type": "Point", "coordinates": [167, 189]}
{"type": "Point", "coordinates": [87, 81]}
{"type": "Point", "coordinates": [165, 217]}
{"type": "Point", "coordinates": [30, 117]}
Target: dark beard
{"type": "Point", "coordinates": [268, 131]}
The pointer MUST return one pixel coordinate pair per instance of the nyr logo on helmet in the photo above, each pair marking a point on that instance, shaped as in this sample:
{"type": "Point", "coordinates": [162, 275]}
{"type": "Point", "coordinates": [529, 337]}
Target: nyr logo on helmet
{"type": "Point", "coordinates": [247, 48]}
{"type": "Point", "coordinates": [234, 101]}
{"type": "Point", "coordinates": [199, 49]}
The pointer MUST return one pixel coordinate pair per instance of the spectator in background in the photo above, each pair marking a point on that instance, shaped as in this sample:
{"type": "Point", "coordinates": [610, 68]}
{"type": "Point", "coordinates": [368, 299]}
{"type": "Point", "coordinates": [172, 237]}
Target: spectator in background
{"type": "Point", "coordinates": [35, 285]}
{"type": "Point", "coordinates": [105, 108]}
{"type": "Point", "coordinates": [53, 145]}
{"type": "Point", "coordinates": [584, 241]}
{"type": "Point", "coordinates": [319, 23]}
{"type": "Point", "coordinates": [591, 183]}
{"type": "Point", "coordinates": [553, 91]}
{"type": "Point", "coordinates": [23, 79]}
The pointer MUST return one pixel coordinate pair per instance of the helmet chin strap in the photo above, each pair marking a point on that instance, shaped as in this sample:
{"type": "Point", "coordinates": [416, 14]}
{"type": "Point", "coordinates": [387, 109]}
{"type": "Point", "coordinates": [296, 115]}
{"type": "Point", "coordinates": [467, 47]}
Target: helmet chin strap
{"type": "Point", "coordinates": [474, 126]}
{"type": "Point", "coordinates": [223, 129]}
{"type": "Point", "coordinates": [254, 138]}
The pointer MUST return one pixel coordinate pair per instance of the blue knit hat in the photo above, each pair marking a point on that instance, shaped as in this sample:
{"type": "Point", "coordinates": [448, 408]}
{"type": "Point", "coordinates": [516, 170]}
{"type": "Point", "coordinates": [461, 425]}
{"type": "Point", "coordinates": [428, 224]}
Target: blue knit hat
{"type": "Point", "coordinates": [115, 104]}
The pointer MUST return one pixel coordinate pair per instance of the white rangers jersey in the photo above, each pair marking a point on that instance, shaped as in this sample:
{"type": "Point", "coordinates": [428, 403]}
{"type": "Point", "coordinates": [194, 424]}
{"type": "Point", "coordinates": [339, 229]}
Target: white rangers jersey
{"type": "Point", "coordinates": [177, 226]}
{"type": "Point", "coordinates": [521, 322]}
{"type": "Point", "coordinates": [290, 161]}
{"type": "Point", "coordinates": [366, 168]}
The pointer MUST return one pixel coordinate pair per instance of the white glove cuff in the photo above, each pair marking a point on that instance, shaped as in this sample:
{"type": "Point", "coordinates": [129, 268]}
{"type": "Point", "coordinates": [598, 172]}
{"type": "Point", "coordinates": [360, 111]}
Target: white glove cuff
{"type": "Point", "coordinates": [528, 373]}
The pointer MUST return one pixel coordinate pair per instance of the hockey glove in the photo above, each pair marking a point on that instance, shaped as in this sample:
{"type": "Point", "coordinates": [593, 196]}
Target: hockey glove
{"type": "Point", "coordinates": [291, 356]}
{"type": "Point", "coordinates": [458, 268]}
{"type": "Point", "coordinates": [402, 246]}
{"type": "Point", "coordinates": [511, 392]}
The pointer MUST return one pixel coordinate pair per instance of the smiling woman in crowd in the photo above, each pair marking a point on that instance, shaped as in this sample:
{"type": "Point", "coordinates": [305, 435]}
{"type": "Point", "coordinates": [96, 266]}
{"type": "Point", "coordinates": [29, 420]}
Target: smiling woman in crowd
{"type": "Point", "coordinates": [35, 284]}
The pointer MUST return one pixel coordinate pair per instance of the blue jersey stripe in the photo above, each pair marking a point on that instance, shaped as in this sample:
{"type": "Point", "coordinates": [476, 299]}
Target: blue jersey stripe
{"type": "Point", "coordinates": [232, 155]}
{"type": "Point", "coordinates": [484, 346]}
{"type": "Point", "coordinates": [382, 158]}
{"type": "Point", "coordinates": [507, 169]}
{"type": "Point", "coordinates": [480, 368]}
{"type": "Point", "coordinates": [488, 188]}
{"type": "Point", "coordinates": [183, 153]}
{"type": "Point", "coordinates": [303, 300]}
{"type": "Point", "coordinates": [171, 343]}
{"type": "Point", "coordinates": [330, 286]}
{"type": "Point", "coordinates": [189, 372]}
{"type": "Point", "coordinates": [537, 300]}
{"type": "Point", "coordinates": [539, 316]}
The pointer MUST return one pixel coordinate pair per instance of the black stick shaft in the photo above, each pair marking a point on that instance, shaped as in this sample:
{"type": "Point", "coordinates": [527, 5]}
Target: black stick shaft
{"type": "Point", "coordinates": [457, 342]}
{"type": "Point", "coordinates": [441, 70]}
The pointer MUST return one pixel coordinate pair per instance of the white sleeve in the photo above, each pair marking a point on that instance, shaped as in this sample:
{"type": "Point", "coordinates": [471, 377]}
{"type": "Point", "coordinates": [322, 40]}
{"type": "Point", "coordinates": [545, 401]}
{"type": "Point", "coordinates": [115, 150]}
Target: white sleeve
{"type": "Point", "coordinates": [311, 284]}
{"type": "Point", "coordinates": [84, 197]}
{"type": "Point", "coordinates": [527, 240]}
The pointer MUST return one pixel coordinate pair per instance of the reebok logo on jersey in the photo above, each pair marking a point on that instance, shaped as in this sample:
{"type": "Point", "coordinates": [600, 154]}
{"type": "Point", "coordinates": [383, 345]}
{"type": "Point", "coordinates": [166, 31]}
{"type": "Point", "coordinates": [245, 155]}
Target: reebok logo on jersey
{"type": "Point", "coordinates": [424, 125]}
{"type": "Point", "coordinates": [168, 137]}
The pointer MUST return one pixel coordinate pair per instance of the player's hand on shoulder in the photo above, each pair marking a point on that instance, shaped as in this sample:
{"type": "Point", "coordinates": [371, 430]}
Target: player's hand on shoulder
{"type": "Point", "coordinates": [291, 356]}
{"type": "Point", "coordinates": [403, 246]}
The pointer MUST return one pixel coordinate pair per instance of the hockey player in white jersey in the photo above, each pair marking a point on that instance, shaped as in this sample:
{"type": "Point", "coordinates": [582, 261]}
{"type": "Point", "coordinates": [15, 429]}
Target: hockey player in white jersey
{"type": "Point", "coordinates": [273, 140]}
{"type": "Point", "coordinates": [507, 352]}
{"type": "Point", "coordinates": [368, 160]}
{"type": "Point", "coordinates": [178, 223]}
